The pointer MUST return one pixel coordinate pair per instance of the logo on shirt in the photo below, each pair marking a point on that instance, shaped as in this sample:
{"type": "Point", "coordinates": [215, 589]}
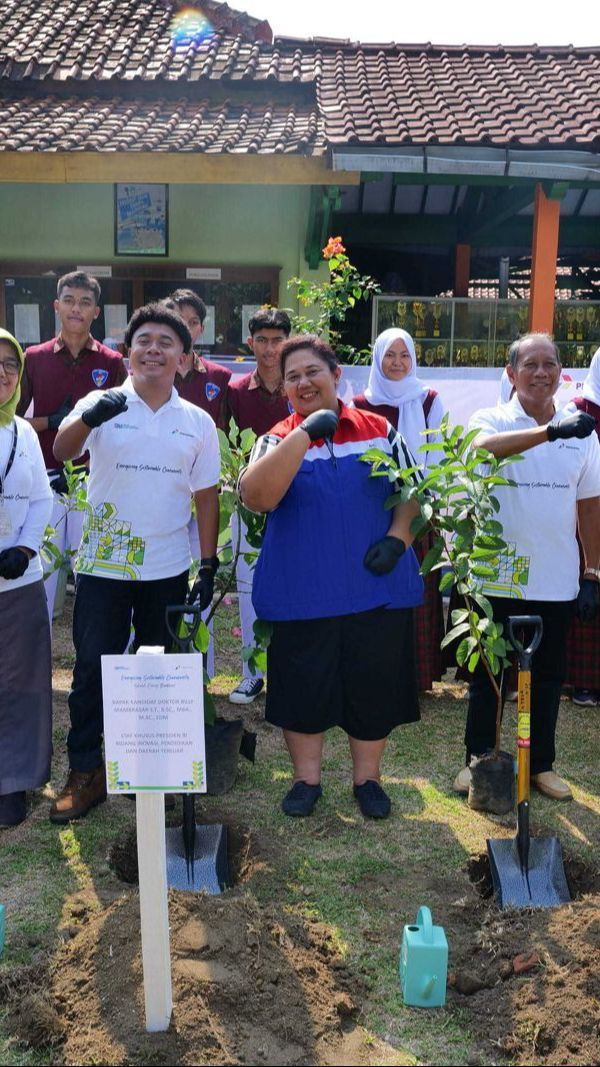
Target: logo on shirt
{"type": "Point", "coordinates": [212, 391]}
{"type": "Point", "coordinates": [99, 376]}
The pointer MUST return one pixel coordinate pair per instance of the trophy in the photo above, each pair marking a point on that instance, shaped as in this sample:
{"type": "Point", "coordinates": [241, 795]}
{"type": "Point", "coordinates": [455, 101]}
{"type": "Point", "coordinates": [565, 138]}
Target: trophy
{"type": "Point", "coordinates": [580, 320]}
{"type": "Point", "coordinates": [436, 311]}
{"type": "Point", "coordinates": [522, 313]}
{"type": "Point", "coordinates": [474, 355]}
{"type": "Point", "coordinates": [429, 356]}
{"type": "Point", "coordinates": [591, 315]}
{"type": "Point", "coordinates": [440, 352]}
{"type": "Point", "coordinates": [570, 323]}
{"type": "Point", "coordinates": [419, 313]}
{"type": "Point", "coordinates": [401, 313]}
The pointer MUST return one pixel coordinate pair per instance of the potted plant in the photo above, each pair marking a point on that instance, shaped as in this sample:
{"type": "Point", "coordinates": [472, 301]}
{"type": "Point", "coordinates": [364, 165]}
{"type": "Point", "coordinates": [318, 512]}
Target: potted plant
{"type": "Point", "coordinates": [457, 503]}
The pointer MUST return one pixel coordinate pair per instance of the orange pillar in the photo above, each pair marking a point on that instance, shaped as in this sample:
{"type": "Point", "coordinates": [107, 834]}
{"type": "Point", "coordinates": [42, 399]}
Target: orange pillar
{"type": "Point", "coordinates": [544, 252]}
{"type": "Point", "coordinates": [462, 270]}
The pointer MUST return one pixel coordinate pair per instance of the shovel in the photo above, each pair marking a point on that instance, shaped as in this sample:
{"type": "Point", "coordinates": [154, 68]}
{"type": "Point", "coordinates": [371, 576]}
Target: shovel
{"type": "Point", "coordinates": [526, 872]}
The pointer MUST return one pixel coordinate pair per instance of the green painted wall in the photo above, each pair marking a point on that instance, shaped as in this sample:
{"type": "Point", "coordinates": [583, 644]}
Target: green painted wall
{"type": "Point", "coordinates": [213, 225]}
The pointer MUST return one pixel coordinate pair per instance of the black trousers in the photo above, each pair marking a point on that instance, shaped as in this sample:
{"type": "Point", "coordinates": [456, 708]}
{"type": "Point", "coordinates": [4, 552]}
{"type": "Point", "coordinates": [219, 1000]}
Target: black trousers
{"type": "Point", "coordinates": [548, 672]}
{"type": "Point", "coordinates": [103, 614]}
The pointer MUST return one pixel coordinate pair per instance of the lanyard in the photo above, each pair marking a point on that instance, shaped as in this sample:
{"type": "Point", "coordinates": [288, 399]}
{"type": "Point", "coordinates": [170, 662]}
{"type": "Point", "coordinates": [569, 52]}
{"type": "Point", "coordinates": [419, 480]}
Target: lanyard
{"type": "Point", "coordinates": [10, 460]}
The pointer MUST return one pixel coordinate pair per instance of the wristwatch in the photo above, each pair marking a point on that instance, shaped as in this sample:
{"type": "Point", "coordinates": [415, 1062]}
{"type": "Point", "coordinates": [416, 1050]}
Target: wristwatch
{"type": "Point", "coordinates": [595, 571]}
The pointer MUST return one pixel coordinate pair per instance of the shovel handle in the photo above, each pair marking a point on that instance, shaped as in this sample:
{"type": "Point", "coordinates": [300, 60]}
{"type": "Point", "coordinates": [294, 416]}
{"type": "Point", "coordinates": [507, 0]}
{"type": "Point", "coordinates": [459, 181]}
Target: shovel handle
{"type": "Point", "coordinates": [173, 615]}
{"type": "Point", "coordinates": [525, 653]}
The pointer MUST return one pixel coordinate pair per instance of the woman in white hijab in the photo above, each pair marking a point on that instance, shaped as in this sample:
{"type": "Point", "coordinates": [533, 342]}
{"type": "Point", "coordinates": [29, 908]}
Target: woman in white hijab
{"type": "Point", "coordinates": [583, 645]}
{"type": "Point", "coordinates": [395, 391]}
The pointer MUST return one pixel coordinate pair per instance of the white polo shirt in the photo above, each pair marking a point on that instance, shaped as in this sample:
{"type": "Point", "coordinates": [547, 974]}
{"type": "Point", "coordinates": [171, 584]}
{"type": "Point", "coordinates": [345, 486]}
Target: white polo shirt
{"type": "Point", "coordinates": [539, 516]}
{"type": "Point", "coordinates": [144, 466]}
{"type": "Point", "coordinates": [26, 499]}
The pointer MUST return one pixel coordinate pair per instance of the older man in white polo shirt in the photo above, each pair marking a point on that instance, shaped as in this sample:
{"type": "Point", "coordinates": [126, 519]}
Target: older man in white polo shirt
{"type": "Point", "coordinates": [557, 492]}
{"type": "Point", "coordinates": [150, 452]}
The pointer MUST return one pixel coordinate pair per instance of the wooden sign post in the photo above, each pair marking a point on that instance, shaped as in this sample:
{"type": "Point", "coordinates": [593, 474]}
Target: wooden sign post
{"type": "Point", "coordinates": [154, 743]}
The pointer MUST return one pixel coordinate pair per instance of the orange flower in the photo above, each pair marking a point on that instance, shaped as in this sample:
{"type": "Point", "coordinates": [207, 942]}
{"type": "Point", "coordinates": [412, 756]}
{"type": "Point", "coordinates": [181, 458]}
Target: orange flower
{"type": "Point", "coordinates": [334, 247]}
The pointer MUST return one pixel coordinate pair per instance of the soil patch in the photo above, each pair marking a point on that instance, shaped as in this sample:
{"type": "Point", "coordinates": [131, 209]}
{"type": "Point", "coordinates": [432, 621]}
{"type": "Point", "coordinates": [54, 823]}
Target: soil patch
{"type": "Point", "coordinates": [251, 985]}
{"type": "Point", "coordinates": [528, 980]}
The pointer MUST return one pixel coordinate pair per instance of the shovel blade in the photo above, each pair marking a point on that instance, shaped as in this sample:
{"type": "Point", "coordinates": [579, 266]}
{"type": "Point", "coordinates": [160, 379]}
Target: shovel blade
{"type": "Point", "coordinates": [209, 872]}
{"type": "Point", "coordinates": [543, 884]}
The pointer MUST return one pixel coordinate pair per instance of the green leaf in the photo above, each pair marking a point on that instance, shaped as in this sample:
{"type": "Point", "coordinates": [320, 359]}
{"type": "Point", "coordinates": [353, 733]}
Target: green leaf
{"type": "Point", "coordinates": [473, 661]}
{"type": "Point", "coordinates": [432, 557]}
{"type": "Point", "coordinates": [481, 571]}
{"type": "Point", "coordinates": [447, 581]}
{"type": "Point", "coordinates": [459, 615]}
{"type": "Point", "coordinates": [455, 632]}
{"type": "Point", "coordinates": [465, 649]}
{"type": "Point", "coordinates": [210, 710]}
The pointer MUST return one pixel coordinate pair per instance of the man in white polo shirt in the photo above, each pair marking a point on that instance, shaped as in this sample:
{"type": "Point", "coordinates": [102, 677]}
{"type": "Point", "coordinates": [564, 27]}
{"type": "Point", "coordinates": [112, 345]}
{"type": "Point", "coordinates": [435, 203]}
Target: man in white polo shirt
{"type": "Point", "coordinates": [557, 492]}
{"type": "Point", "coordinates": [150, 451]}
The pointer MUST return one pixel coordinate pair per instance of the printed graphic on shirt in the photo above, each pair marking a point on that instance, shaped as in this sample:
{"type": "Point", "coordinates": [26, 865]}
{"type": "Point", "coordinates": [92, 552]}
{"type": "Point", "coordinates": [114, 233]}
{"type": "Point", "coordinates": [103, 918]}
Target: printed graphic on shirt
{"type": "Point", "coordinates": [212, 391]}
{"type": "Point", "coordinates": [108, 546]}
{"type": "Point", "coordinates": [99, 376]}
{"type": "Point", "coordinates": [511, 574]}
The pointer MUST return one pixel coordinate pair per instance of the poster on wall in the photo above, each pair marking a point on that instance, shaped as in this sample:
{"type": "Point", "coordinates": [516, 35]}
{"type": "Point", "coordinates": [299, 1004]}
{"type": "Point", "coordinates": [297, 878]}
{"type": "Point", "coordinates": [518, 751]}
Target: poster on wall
{"type": "Point", "coordinates": [27, 323]}
{"type": "Point", "coordinates": [141, 220]}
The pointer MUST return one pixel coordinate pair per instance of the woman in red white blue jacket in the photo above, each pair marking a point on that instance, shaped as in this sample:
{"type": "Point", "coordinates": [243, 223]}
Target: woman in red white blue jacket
{"type": "Point", "coordinates": [336, 577]}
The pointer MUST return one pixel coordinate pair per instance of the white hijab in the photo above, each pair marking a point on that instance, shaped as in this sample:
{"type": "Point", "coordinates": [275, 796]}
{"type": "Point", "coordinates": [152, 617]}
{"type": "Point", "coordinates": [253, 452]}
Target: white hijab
{"type": "Point", "coordinates": [407, 395]}
{"type": "Point", "coordinates": [591, 386]}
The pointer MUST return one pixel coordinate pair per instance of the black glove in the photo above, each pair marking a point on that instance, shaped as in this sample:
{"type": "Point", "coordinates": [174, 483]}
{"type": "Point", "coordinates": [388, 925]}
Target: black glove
{"type": "Point", "coordinates": [579, 425]}
{"type": "Point", "coordinates": [58, 481]}
{"type": "Point", "coordinates": [587, 600]}
{"type": "Point", "coordinates": [13, 563]}
{"type": "Point", "coordinates": [202, 590]}
{"type": "Point", "coordinates": [57, 417]}
{"type": "Point", "coordinates": [321, 423]}
{"type": "Point", "coordinates": [383, 556]}
{"type": "Point", "coordinates": [107, 407]}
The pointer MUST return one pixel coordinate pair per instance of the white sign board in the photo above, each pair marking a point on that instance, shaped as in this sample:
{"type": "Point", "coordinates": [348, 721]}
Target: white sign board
{"type": "Point", "coordinates": [115, 321]}
{"type": "Point", "coordinates": [97, 270]}
{"type": "Point", "coordinates": [154, 723]}
{"type": "Point", "coordinates": [206, 273]}
{"type": "Point", "coordinates": [248, 310]}
{"type": "Point", "coordinates": [207, 337]}
{"type": "Point", "coordinates": [27, 323]}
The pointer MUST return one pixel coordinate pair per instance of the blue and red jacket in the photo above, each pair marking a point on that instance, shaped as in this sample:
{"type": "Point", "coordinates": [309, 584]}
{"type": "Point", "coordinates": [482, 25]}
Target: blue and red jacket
{"type": "Point", "coordinates": [311, 562]}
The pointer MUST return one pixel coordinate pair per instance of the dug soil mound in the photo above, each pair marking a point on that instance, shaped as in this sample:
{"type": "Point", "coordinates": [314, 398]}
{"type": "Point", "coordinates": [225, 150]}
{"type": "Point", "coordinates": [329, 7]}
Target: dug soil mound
{"type": "Point", "coordinates": [251, 985]}
{"type": "Point", "coordinates": [528, 981]}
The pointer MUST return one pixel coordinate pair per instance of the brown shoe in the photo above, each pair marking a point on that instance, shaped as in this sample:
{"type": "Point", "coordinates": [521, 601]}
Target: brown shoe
{"type": "Point", "coordinates": [548, 783]}
{"type": "Point", "coordinates": [82, 791]}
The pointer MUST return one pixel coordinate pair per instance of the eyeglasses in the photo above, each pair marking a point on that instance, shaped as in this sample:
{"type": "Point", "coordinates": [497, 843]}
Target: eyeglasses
{"type": "Point", "coordinates": [10, 367]}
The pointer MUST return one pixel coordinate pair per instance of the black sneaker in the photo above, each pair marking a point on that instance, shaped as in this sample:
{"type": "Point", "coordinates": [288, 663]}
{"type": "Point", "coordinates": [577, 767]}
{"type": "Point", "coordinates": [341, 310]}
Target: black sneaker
{"type": "Point", "coordinates": [373, 801]}
{"type": "Point", "coordinates": [246, 691]}
{"type": "Point", "coordinates": [301, 799]}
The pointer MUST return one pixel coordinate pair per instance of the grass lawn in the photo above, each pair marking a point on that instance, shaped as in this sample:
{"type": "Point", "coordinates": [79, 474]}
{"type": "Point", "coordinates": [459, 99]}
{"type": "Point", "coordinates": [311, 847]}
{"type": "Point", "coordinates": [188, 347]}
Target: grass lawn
{"type": "Point", "coordinates": [362, 880]}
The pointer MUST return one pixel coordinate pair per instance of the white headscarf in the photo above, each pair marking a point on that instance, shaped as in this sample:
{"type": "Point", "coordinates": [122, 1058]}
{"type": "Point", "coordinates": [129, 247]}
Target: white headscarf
{"type": "Point", "coordinates": [591, 386]}
{"type": "Point", "coordinates": [407, 395]}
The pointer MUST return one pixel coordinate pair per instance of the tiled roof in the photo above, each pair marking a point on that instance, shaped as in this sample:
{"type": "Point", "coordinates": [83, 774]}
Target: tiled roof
{"type": "Point", "coordinates": [394, 95]}
{"type": "Point", "coordinates": [382, 95]}
{"type": "Point", "coordinates": [91, 123]}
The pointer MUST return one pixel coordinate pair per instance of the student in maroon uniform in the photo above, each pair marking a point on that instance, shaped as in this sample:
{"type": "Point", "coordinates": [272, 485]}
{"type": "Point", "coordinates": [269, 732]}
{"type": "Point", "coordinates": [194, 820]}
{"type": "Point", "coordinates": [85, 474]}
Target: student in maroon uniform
{"type": "Point", "coordinates": [57, 374]}
{"type": "Point", "coordinates": [395, 391]}
{"type": "Point", "coordinates": [257, 401]}
{"type": "Point", "coordinates": [199, 381]}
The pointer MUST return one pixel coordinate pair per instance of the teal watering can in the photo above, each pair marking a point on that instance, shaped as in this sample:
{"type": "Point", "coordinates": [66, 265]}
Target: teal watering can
{"type": "Point", "coordinates": [424, 962]}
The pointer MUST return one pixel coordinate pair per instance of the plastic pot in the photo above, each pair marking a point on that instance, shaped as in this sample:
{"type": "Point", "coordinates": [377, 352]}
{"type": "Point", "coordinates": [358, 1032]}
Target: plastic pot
{"type": "Point", "coordinates": [492, 783]}
{"type": "Point", "coordinates": [222, 741]}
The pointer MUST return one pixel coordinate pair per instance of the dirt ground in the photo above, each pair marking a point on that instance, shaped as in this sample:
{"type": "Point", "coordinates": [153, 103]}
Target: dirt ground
{"type": "Point", "coordinates": [250, 985]}
{"type": "Point", "coordinates": [254, 984]}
